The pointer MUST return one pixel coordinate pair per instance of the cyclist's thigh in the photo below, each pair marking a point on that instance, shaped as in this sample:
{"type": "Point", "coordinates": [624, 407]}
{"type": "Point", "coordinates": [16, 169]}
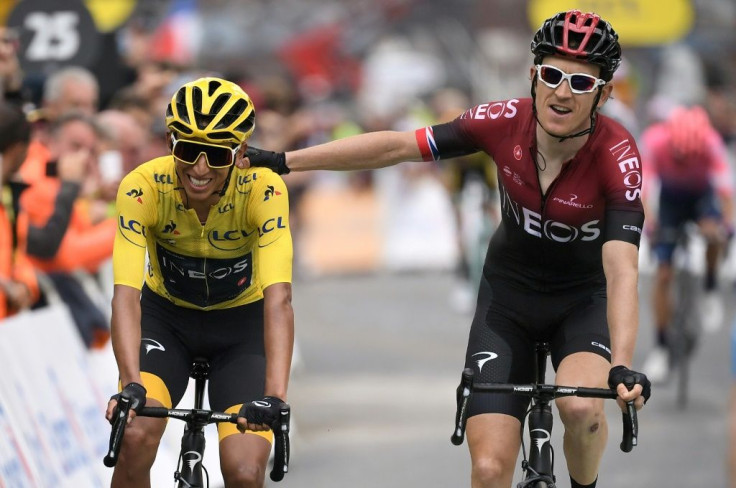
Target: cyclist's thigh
{"type": "Point", "coordinates": [495, 438]}
{"type": "Point", "coordinates": [237, 359]}
{"type": "Point", "coordinates": [165, 359]}
{"type": "Point", "coordinates": [237, 355]}
{"type": "Point", "coordinates": [499, 351]}
{"type": "Point", "coordinates": [239, 453]}
{"type": "Point", "coordinates": [708, 205]}
{"type": "Point", "coordinates": [583, 329]}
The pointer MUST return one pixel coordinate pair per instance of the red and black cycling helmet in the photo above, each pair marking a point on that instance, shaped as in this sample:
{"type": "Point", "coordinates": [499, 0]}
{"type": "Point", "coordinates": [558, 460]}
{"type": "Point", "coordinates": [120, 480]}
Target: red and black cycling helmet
{"type": "Point", "coordinates": [583, 36]}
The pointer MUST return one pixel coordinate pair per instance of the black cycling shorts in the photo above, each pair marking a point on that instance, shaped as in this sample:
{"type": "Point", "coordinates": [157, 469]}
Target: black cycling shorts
{"type": "Point", "coordinates": [230, 339]}
{"type": "Point", "coordinates": [507, 324]}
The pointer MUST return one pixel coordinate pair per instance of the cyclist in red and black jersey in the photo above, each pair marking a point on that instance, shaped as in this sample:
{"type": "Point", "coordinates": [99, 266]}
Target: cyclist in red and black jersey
{"type": "Point", "coordinates": [563, 264]}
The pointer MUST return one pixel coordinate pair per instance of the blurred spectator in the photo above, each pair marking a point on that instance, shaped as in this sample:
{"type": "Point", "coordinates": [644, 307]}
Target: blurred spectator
{"type": "Point", "coordinates": [472, 186]}
{"type": "Point", "coordinates": [11, 76]}
{"type": "Point", "coordinates": [621, 106]}
{"type": "Point", "coordinates": [125, 145]}
{"type": "Point", "coordinates": [18, 285]}
{"type": "Point", "coordinates": [72, 89]}
{"type": "Point", "coordinates": [84, 236]}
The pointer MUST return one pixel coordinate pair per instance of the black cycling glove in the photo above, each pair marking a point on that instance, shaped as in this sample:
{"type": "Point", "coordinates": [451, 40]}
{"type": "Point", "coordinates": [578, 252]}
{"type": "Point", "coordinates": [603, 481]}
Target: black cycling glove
{"type": "Point", "coordinates": [264, 411]}
{"type": "Point", "coordinates": [136, 393]}
{"type": "Point", "coordinates": [276, 161]}
{"type": "Point", "coordinates": [622, 374]}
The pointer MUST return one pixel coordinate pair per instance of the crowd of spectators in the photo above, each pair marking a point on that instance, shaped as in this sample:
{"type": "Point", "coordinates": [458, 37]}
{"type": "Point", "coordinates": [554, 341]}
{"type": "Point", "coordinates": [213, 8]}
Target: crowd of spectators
{"type": "Point", "coordinates": [312, 78]}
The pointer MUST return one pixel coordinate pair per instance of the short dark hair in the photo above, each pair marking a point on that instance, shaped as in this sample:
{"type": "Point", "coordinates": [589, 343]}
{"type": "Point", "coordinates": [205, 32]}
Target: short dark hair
{"type": "Point", "coordinates": [14, 126]}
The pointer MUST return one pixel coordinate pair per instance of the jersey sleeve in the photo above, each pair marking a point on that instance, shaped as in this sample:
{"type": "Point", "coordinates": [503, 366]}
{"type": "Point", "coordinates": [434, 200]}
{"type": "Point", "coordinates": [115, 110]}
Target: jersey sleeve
{"type": "Point", "coordinates": [268, 210]}
{"type": "Point", "coordinates": [462, 135]}
{"type": "Point", "coordinates": [136, 205]}
{"type": "Point", "coordinates": [624, 214]}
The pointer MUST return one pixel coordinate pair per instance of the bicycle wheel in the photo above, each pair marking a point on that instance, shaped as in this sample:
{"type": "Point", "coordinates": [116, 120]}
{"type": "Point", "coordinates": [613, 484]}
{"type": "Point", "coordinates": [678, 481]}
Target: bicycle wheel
{"type": "Point", "coordinates": [683, 334]}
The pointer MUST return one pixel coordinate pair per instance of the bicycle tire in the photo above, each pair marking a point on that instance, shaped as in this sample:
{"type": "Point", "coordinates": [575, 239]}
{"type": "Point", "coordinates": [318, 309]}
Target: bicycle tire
{"type": "Point", "coordinates": [683, 334]}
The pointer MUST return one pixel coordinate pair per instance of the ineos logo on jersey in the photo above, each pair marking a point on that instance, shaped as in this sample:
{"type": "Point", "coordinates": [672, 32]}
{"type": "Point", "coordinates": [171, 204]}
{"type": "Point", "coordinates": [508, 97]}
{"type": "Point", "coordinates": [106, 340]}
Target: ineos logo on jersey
{"type": "Point", "coordinates": [533, 224]}
{"type": "Point", "coordinates": [493, 110]}
{"type": "Point", "coordinates": [197, 274]}
{"type": "Point", "coordinates": [630, 167]}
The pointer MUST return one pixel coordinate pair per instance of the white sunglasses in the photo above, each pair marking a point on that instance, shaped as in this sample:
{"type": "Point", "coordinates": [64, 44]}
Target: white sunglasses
{"type": "Point", "coordinates": [579, 82]}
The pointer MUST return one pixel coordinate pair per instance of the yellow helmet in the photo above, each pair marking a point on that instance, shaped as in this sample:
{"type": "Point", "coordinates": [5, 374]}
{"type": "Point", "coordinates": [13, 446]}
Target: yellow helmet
{"type": "Point", "coordinates": [213, 110]}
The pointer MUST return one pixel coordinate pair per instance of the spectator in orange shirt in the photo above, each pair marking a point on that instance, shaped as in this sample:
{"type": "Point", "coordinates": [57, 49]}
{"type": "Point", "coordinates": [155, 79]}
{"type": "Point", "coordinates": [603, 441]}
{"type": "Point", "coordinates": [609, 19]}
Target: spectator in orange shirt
{"type": "Point", "coordinates": [18, 286]}
{"type": "Point", "coordinates": [86, 239]}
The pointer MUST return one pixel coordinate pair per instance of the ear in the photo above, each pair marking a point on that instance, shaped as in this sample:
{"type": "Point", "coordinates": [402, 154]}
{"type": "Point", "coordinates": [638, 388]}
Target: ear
{"type": "Point", "coordinates": [169, 144]}
{"type": "Point", "coordinates": [605, 94]}
{"type": "Point", "coordinates": [240, 160]}
{"type": "Point", "coordinates": [532, 72]}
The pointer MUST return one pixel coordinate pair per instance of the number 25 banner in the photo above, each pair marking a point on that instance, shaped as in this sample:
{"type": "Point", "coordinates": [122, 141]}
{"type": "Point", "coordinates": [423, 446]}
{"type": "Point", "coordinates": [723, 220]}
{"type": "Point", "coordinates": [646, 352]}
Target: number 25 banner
{"type": "Point", "coordinates": [56, 33]}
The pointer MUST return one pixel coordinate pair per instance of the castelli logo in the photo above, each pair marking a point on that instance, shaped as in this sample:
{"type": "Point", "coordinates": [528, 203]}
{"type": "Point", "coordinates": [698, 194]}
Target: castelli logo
{"type": "Point", "coordinates": [517, 152]}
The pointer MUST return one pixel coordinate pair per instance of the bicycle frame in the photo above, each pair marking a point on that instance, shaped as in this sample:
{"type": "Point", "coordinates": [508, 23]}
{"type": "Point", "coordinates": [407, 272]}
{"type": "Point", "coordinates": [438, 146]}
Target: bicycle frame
{"type": "Point", "coordinates": [539, 468]}
{"type": "Point", "coordinates": [190, 473]}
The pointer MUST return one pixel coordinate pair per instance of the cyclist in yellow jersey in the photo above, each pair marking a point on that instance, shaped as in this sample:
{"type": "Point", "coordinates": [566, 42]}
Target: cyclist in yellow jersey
{"type": "Point", "coordinates": [217, 284]}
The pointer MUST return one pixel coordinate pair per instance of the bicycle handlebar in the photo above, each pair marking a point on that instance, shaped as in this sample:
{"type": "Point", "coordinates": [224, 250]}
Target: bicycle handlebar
{"type": "Point", "coordinates": [280, 428]}
{"type": "Point", "coordinates": [118, 429]}
{"type": "Point", "coordinates": [467, 387]}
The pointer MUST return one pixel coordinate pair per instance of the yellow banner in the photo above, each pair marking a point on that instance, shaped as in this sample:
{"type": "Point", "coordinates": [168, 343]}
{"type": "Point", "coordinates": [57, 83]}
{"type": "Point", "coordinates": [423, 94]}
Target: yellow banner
{"type": "Point", "coordinates": [637, 22]}
{"type": "Point", "coordinates": [110, 14]}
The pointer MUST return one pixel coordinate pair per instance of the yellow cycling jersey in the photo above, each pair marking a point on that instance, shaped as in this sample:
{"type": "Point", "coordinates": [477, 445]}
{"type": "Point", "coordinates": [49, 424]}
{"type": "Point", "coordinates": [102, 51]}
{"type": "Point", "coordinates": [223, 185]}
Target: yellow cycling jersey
{"type": "Point", "coordinates": [243, 247]}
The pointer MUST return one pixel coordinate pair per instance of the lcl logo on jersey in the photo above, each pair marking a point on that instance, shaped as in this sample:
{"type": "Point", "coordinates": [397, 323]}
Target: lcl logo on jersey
{"type": "Point", "coordinates": [229, 240]}
{"type": "Point", "coordinates": [130, 229]}
{"type": "Point", "coordinates": [493, 110]}
{"type": "Point", "coordinates": [164, 179]}
{"type": "Point", "coordinates": [242, 180]}
{"type": "Point", "coordinates": [628, 164]}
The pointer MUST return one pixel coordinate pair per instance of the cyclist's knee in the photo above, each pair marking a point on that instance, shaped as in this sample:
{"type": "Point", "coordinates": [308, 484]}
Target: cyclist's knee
{"type": "Point", "coordinates": [243, 475]}
{"type": "Point", "coordinates": [583, 415]}
{"type": "Point", "coordinates": [490, 471]}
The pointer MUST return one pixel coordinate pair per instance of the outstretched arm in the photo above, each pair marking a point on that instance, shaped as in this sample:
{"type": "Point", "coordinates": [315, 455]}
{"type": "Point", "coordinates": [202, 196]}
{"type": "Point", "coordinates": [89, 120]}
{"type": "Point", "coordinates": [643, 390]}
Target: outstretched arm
{"type": "Point", "coordinates": [371, 150]}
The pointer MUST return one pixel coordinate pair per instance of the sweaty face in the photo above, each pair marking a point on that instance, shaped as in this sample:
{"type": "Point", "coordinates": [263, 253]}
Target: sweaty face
{"type": "Point", "coordinates": [560, 111]}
